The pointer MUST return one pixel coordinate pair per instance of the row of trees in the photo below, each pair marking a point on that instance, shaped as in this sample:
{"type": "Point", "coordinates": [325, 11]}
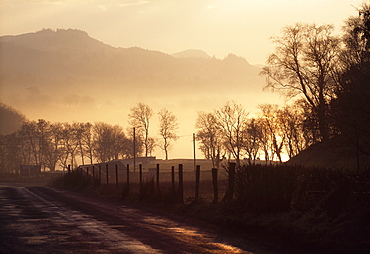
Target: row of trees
{"type": "Point", "coordinates": [59, 144]}
{"type": "Point", "coordinates": [327, 74]}
{"type": "Point", "coordinates": [229, 133]}
{"type": "Point", "coordinates": [331, 73]}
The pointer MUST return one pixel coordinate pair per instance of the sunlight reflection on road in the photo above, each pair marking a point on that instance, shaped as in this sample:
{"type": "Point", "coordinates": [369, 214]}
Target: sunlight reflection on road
{"type": "Point", "coordinates": [219, 247]}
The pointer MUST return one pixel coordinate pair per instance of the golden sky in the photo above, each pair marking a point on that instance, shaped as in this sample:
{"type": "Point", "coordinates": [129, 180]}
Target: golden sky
{"type": "Point", "coordinates": [218, 27]}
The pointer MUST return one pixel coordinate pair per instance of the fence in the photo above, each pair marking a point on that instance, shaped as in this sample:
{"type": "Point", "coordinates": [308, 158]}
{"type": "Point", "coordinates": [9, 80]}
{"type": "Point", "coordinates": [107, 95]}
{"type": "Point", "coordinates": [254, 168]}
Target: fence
{"type": "Point", "coordinates": [259, 189]}
{"type": "Point", "coordinates": [176, 183]}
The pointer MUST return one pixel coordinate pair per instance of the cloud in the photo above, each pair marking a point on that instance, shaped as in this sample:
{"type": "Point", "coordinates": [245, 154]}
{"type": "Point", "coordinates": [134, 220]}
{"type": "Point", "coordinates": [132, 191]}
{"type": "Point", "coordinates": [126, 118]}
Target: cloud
{"type": "Point", "coordinates": [132, 3]}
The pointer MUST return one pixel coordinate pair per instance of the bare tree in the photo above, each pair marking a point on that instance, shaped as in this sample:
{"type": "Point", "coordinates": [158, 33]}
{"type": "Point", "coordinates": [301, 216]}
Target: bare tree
{"type": "Point", "coordinates": [168, 126]}
{"type": "Point", "coordinates": [252, 139]}
{"type": "Point", "coordinates": [53, 149]}
{"type": "Point", "coordinates": [291, 120]}
{"type": "Point", "coordinates": [70, 145]}
{"type": "Point", "coordinates": [269, 117]}
{"type": "Point", "coordinates": [87, 141]}
{"type": "Point", "coordinates": [305, 64]}
{"type": "Point", "coordinates": [30, 148]}
{"type": "Point", "coordinates": [139, 118]}
{"type": "Point", "coordinates": [110, 142]}
{"type": "Point", "coordinates": [231, 120]}
{"type": "Point", "coordinates": [210, 137]}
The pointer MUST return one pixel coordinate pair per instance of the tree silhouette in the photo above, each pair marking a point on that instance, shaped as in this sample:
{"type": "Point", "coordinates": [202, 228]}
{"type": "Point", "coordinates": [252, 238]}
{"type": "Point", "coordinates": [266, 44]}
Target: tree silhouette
{"type": "Point", "coordinates": [305, 64]}
{"type": "Point", "coordinates": [167, 129]}
{"type": "Point", "coordinates": [140, 118]}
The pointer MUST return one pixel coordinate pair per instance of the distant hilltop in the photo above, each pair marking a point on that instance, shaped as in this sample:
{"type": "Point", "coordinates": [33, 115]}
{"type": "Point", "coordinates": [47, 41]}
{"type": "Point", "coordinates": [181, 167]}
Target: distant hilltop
{"type": "Point", "coordinates": [191, 53]}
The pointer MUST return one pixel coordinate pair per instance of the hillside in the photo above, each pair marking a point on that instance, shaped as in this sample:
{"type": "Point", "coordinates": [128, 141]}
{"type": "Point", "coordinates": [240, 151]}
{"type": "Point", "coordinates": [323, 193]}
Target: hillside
{"type": "Point", "coordinates": [71, 58]}
{"type": "Point", "coordinates": [191, 53]}
{"type": "Point", "coordinates": [10, 120]}
{"type": "Point", "coordinates": [65, 75]}
{"type": "Point", "coordinates": [336, 153]}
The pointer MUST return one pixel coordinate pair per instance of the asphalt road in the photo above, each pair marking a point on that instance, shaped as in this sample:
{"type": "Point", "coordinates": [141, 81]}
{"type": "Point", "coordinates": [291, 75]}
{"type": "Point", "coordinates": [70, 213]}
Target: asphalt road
{"type": "Point", "coordinates": [47, 220]}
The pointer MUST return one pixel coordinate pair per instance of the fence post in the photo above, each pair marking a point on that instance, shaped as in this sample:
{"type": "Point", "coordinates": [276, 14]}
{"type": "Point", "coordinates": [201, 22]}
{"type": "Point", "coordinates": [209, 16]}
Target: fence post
{"type": "Point", "coordinates": [231, 183]}
{"type": "Point", "coordinates": [141, 175]}
{"type": "Point", "coordinates": [128, 174]}
{"type": "Point", "coordinates": [87, 172]}
{"type": "Point", "coordinates": [100, 173]}
{"type": "Point", "coordinates": [117, 176]}
{"type": "Point", "coordinates": [157, 177]}
{"type": "Point", "coordinates": [215, 186]}
{"type": "Point", "coordinates": [173, 178]}
{"type": "Point", "coordinates": [181, 184]}
{"type": "Point", "coordinates": [93, 172]}
{"type": "Point", "coordinates": [127, 178]}
{"type": "Point", "coordinates": [106, 167]}
{"type": "Point", "coordinates": [69, 168]}
{"type": "Point", "coordinates": [197, 179]}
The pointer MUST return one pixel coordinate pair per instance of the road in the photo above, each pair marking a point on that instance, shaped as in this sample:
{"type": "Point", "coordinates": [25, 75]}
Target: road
{"type": "Point", "coordinates": [48, 220]}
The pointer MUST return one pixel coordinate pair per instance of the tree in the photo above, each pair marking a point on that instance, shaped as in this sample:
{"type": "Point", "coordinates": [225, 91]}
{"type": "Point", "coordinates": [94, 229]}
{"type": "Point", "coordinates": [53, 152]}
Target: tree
{"type": "Point", "coordinates": [53, 149]}
{"type": "Point", "coordinates": [269, 117]}
{"type": "Point", "coordinates": [350, 109]}
{"type": "Point", "coordinates": [305, 64]}
{"type": "Point", "coordinates": [87, 141]}
{"type": "Point", "coordinates": [69, 144]}
{"type": "Point", "coordinates": [291, 119]}
{"type": "Point", "coordinates": [140, 118]}
{"type": "Point", "coordinates": [231, 120]}
{"type": "Point", "coordinates": [210, 137]}
{"type": "Point", "coordinates": [10, 153]}
{"type": "Point", "coordinates": [110, 142]}
{"type": "Point", "coordinates": [252, 139]}
{"type": "Point", "coordinates": [167, 129]}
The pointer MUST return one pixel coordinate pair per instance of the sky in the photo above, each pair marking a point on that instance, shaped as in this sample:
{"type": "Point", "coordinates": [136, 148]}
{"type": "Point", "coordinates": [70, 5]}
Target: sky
{"type": "Point", "coordinates": [218, 27]}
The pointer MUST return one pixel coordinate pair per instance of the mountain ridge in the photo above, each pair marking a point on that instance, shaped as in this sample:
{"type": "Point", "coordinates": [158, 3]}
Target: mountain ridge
{"type": "Point", "coordinates": [55, 55]}
{"type": "Point", "coordinates": [64, 70]}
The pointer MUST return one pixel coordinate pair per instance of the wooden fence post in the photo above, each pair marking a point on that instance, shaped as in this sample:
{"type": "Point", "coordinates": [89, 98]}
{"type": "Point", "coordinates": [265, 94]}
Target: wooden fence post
{"type": "Point", "coordinates": [116, 176]}
{"type": "Point", "coordinates": [106, 166]}
{"type": "Point", "coordinates": [157, 178]}
{"type": "Point", "coordinates": [215, 186]}
{"type": "Point", "coordinates": [197, 180]}
{"type": "Point", "coordinates": [141, 175]}
{"type": "Point", "coordinates": [100, 173]}
{"type": "Point", "coordinates": [127, 178]}
{"type": "Point", "coordinates": [181, 185]}
{"type": "Point", "coordinates": [87, 172]}
{"type": "Point", "coordinates": [69, 168]}
{"type": "Point", "coordinates": [93, 172]}
{"type": "Point", "coordinates": [231, 182]}
{"type": "Point", "coordinates": [128, 174]}
{"type": "Point", "coordinates": [173, 178]}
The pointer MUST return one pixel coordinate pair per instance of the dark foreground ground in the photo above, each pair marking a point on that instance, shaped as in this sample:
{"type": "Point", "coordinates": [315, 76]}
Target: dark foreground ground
{"type": "Point", "coordinates": [40, 219]}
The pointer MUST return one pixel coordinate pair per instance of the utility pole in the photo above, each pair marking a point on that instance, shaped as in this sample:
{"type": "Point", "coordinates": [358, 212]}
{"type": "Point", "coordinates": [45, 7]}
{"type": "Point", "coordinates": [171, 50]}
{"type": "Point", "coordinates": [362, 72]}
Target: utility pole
{"type": "Point", "coordinates": [194, 152]}
{"type": "Point", "coordinates": [134, 149]}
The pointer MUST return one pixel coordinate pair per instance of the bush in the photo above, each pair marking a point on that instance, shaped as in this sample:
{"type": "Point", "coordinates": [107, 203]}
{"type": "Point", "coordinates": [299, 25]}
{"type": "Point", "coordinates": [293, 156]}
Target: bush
{"type": "Point", "coordinates": [271, 189]}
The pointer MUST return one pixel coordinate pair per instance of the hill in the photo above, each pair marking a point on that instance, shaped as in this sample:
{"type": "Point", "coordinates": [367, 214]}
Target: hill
{"type": "Point", "coordinates": [191, 53]}
{"type": "Point", "coordinates": [336, 153]}
{"type": "Point", "coordinates": [48, 59]}
{"type": "Point", "coordinates": [10, 120]}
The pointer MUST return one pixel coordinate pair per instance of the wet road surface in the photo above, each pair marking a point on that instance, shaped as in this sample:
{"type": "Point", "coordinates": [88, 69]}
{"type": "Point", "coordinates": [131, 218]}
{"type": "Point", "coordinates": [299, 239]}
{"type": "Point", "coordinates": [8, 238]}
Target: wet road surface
{"type": "Point", "coordinates": [47, 220]}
